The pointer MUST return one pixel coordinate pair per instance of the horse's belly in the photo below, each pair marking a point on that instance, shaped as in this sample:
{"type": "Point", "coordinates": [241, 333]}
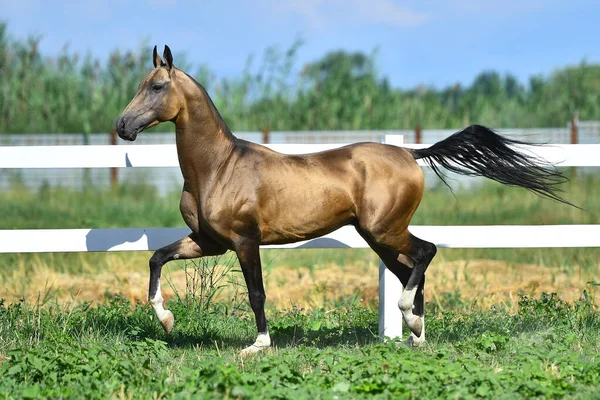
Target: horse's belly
{"type": "Point", "coordinates": [305, 221]}
{"type": "Point", "coordinates": [292, 234]}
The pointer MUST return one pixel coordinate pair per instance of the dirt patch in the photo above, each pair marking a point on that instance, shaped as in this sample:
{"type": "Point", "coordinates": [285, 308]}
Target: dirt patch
{"type": "Point", "coordinates": [487, 281]}
{"type": "Point", "coordinates": [493, 282]}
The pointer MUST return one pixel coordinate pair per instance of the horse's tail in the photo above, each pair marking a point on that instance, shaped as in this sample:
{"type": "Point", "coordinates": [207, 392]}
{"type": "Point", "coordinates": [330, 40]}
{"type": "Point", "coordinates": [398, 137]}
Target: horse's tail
{"type": "Point", "coordinates": [479, 151]}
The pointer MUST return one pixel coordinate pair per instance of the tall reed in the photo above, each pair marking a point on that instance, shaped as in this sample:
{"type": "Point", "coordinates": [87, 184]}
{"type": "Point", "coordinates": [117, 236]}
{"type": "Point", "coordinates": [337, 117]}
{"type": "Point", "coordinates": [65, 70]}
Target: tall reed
{"type": "Point", "coordinates": [70, 92]}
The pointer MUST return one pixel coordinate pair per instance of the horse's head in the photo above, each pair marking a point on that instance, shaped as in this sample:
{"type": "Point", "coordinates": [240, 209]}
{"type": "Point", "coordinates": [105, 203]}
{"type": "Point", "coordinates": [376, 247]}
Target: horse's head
{"type": "Point", "coordinates": [157, 99]}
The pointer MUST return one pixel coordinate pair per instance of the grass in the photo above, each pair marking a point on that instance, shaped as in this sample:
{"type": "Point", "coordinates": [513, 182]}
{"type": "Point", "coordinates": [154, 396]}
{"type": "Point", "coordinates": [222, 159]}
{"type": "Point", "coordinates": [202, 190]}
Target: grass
{"type": "Point", "coordinates": [132, 205]}
{"type": "Point", "coordinates": [304, 276]}
{"type": "Point", "coordinates": [57, 343]}
{"type": "Point", "coordinates": [125, 206]}
{"type": "Point", "coordinates": [139, 205]}
{"type": "Point", "coordinates": [548, 349]}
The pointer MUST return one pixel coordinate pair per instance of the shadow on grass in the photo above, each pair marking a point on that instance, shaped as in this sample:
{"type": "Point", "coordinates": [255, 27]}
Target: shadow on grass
{"type": "Point", "coordinates": [321, 338]}
{"type": "Point", "coordinates": [118, 319]}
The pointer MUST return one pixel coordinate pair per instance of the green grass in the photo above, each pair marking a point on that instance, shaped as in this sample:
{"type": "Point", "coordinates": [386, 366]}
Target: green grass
{"type": "Point", "coordinates": [549, 349]}
{"type": "Point", "coordinates": [123, 206]}
{"type": "Point", "coordinates": [545, 349]}
{"type": "Point", "coordinates": [139, 205]}
{"type": "Point", "coordinates": [492, 203]}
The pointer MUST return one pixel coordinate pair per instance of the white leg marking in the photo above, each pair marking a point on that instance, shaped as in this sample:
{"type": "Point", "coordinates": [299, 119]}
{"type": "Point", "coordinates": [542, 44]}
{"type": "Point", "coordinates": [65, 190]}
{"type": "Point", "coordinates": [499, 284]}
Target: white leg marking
{"type": "Point", "coordinates": [263, 341]}
{"type": "Point", "coordinates": [419, 340]}
{"type": "Point", "coordinates": [406, 305]}
{"type": "Point", "coordinates": [165, 317]}
{"type": "Point", "coordinates": [407, 300]}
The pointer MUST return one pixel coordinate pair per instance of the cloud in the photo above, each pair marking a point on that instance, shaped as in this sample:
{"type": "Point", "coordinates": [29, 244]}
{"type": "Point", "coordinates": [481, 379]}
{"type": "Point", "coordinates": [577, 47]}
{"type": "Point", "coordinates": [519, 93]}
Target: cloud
{"type": "Point", "coordinates": [326, 13]}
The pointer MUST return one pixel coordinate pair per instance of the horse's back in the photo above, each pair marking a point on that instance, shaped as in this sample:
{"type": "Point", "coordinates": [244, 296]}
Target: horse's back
{"type": "Point", "coordinates": [357, 164]}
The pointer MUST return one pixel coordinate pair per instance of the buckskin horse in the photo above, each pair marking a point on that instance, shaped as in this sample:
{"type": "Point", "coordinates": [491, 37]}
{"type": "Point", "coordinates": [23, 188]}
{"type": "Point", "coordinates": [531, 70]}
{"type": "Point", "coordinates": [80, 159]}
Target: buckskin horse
{"type": "Point", "coordinates": [238, 195]}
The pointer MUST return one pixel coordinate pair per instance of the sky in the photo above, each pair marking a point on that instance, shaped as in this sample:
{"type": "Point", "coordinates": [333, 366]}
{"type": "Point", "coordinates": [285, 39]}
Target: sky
{"type": "Point", "coordinates": [433, 42]}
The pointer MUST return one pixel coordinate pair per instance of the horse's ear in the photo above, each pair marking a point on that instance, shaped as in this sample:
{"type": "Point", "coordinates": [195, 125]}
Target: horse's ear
{"type": "Point", "coordinates": [156, 58]}
{"type": "Point", "coordinates": [168, 57]}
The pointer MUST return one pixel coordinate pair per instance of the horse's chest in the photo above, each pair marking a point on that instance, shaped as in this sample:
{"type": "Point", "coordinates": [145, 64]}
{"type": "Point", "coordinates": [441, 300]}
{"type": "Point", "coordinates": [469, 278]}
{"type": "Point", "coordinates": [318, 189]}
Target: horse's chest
{"type": "Point", "coordinates": [188, 206]}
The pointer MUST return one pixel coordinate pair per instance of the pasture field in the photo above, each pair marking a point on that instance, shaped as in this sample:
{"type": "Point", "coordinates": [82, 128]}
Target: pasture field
{"type": "Point", "coordinates": [547, 349]}
{"type": "Point", "coordinates": [76, 325]}
{"type": "Point", "coordinates": [306, 276]}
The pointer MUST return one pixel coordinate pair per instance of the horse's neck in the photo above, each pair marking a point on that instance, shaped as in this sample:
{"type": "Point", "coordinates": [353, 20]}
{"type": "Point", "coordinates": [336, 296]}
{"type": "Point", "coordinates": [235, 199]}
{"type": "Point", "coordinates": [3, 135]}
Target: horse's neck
{"type": "Point", "coordinates": [204, 142]}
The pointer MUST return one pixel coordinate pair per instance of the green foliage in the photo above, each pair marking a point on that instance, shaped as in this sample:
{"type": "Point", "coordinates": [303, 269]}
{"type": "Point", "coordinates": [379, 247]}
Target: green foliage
{"type": "Point", "coordinates": [138, 205]}
{"type": "Point", "coordinates": [206, 278]}
{"type": "Point", "coordinates": [342, 90]}
{"type": "Point", "coordinates": [126, 205]}
{"type": "Point", "coordinates": [546, 350]}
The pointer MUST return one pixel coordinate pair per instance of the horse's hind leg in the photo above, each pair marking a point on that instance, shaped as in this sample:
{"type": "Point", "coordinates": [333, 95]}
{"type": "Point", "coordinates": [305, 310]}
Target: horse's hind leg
{"type": "Point", "coordinates": [419, 311]}
{"type": "Point", "coordinates": [421, 253]}
{"type": "Point", "coordinates": [189, 247]}
{"type": "Point", "coordinates": [409, 265]}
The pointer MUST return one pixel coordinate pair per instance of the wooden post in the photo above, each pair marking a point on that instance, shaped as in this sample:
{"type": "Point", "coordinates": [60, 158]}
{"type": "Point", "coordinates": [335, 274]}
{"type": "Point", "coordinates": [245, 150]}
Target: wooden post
{"type": "Point", "coordinates": [418, 134]}
{"type": "Point", "coordinates": [266, 133]}
{"type": "Point", "coordinates": [113, 171]}
{"type": "Point", "coordinates": [574, 138]}
{"type": "Point", "coordinates": [575, 128]}
{"type": "Point", "coordinates": [87, 173]}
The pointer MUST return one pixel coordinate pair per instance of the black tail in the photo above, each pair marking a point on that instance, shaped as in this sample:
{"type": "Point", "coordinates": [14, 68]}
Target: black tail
{"type": "Point", "coordinates": [479, 151]}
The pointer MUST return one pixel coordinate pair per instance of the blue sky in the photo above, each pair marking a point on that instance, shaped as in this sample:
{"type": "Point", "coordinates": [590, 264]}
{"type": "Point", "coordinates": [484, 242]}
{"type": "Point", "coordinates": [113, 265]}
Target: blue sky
{"type": "Point", "coordinates": [432, 42]}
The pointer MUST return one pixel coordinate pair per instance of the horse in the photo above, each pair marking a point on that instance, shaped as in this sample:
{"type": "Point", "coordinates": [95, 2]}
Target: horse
{"type": "Point", "coordinates": [238, 195]}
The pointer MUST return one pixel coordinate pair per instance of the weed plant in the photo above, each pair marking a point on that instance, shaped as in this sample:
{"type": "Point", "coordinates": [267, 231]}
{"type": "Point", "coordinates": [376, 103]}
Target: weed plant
{"type": "Point", "coordinates": [549, 349]}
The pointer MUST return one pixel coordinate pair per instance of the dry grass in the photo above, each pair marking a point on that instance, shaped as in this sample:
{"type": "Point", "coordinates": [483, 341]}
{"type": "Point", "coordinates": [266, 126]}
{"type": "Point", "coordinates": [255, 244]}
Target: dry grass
{"type": "Point", "coordinates": [487, 281]}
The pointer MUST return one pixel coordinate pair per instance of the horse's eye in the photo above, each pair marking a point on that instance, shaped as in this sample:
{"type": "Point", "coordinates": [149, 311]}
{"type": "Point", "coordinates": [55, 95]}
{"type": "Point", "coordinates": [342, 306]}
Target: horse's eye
{"type": "Point", "coordinates": [157, 87]}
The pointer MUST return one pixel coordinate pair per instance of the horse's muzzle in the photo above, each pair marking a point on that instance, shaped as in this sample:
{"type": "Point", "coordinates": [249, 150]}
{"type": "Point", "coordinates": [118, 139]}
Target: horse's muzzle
{"type": "Point", "coordinates": [125, 128]}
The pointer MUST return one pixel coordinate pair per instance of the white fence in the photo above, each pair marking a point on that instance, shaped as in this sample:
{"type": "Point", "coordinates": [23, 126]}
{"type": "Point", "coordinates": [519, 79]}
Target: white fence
{"type": "Point", "coordinates": [168, 180]}
{"type": "Point", "coordinates": [82, 240]}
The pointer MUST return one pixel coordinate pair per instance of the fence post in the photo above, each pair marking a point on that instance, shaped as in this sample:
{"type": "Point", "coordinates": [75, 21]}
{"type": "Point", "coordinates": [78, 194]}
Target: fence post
{"type": "Point", "coordinates": [390, 288]}
{"type": "Point", "coordinates": [574, 138]}
{"type": "Point", "coordinates": [575, 128]}
{"type": "Point", "coordinates": [266, 133]}
{"type": "Point", "coordinates": [113, 171]}
{"type": "Point", "coordinates": [87, 173]}
{"type": "Point", "coordinates": [418, 134]}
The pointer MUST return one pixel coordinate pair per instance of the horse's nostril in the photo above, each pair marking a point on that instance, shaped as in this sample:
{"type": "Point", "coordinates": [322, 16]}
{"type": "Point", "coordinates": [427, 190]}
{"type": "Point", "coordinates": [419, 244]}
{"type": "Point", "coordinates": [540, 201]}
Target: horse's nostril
{"type": "Point", "coordinates": [121, 124]}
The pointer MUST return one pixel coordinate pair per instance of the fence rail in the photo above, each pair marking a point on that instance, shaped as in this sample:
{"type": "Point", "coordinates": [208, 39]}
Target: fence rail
{"type": "Point", "coordinates": [165, 155]}
{"type": "Point", "coordinates": [167, 180]}
{"type": "Point", "coordinates": [457, 237]}
{"type": "Point", "coordinates": [138, 156]}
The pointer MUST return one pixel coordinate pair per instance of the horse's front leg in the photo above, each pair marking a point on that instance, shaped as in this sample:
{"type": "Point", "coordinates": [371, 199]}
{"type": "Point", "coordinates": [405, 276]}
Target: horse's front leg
{"type": "Point", "coordinates": [249, 257]}
{"type": "Point", "coordinates": [192, 246]}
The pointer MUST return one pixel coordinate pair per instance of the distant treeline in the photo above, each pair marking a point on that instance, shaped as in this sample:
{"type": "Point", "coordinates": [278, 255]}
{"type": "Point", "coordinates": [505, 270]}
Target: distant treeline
{"type": "Point", "coordinates": [70, 93]}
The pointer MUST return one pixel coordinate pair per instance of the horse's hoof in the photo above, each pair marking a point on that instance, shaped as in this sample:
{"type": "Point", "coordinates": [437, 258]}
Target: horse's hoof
{"type": "Point", "coordinates": [416, 327]}
{"type": "Point", "coordinates": [253, 349]}
{"type": "Point", "coordinates": [415, 324]}
{"type": "Point", "coordinates": [414, 341]}
{"type": "Point", "coordinates": [167, 322]}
